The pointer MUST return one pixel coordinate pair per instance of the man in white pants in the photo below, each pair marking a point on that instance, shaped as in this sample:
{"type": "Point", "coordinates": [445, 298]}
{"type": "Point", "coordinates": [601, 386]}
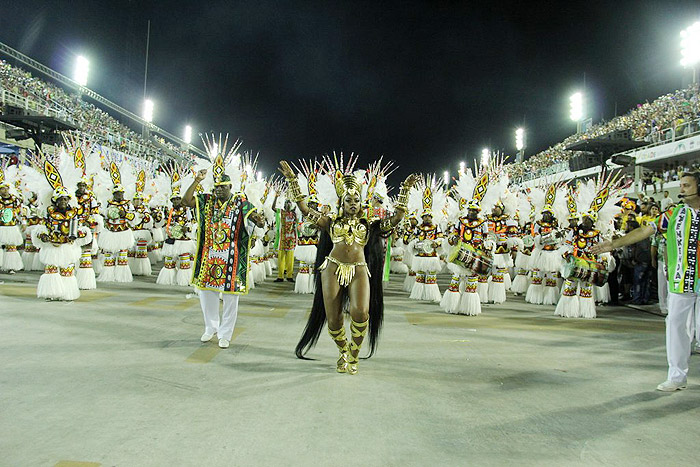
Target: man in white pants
{"type": "Point", "coordinates": [224, 225]}
{"type": "Point", "coordinates": [682, 226]}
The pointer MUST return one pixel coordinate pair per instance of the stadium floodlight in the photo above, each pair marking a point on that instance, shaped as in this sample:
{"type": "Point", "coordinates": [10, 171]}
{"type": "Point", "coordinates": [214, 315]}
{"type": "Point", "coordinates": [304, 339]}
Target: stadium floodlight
{"type": "Point", "coordinates": [188, 134]}
{"type": "Point", "coordinates": [462, 165]}
{"type": "Point", "coordinates": [148, 110]}
{"type": "Point", "coordinates": [576, 101]}
{"type": "Point", "coordinates": [485, 156]}
{"type": "Point", "coordinates": [519, 139]}
{"type": "Point", "coordinates": [690, 45]}
{"type": "Point", "coordinates": [82, 67]}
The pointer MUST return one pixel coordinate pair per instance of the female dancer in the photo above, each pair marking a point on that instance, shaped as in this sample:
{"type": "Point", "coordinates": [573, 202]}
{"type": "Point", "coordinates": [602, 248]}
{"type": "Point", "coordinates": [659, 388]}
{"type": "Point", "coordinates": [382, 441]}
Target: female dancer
{"type": "Point", "coordinates": [349, 261]}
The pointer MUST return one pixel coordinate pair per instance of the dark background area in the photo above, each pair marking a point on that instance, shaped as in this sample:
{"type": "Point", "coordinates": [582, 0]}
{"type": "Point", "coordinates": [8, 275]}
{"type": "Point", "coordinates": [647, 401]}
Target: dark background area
{"type": "Point", "coordinates": [426, 84]}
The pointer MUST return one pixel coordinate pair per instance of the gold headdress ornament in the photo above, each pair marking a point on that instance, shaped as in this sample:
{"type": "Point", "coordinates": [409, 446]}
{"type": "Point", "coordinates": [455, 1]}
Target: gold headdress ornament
{"type": "Point", "coordinates": [249, 163]}
{"type": "Point", "coordinates": [427, 199]}
{"type": "Point", "coordinates": [375, 174]}
{"type": "Point", "coordinates": [116, 177]}
{"type": "Point", "coordinates": [55, 180]}
{"type": "Point", "coordinates": [309, 169]}
{"type": "Point", "coordinates": [479, 191]}
{"type": "Point", "coordinates": [549, 198]}
{"type": "Point", "coordinates": [220, 157]}
{"type": "Point", "coordinates": [78, 148]}
{"type": "Point", "coordinates": [462, 203]}
{"type": "Point", "coordinates": [605, 183]}
{"type": "Point", "coordinates": [140, 184]}
{"type": "Point", "coordinates": [571, 205]}
{"type": "Point", "coordinates": [175, 172]}
{"type": "Point", "coordinates": [344, 181]}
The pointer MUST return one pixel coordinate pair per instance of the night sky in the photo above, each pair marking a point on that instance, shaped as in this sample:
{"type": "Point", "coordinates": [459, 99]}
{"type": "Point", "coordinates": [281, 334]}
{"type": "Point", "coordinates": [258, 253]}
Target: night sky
{"type": "Point", "coordinates": [426, 84]}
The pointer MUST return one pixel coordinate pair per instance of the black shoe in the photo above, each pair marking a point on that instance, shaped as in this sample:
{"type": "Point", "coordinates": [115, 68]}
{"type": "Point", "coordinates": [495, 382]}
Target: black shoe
{"type": "Point", "coordinates": [279, 280]}
{"type": "Point", "coordinates": [290, 280]}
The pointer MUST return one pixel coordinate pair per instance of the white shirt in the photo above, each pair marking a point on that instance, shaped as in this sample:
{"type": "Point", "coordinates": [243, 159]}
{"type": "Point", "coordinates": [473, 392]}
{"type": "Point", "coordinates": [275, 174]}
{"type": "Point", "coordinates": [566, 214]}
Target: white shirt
{"type": "Point", "coordinates": [665, 203]}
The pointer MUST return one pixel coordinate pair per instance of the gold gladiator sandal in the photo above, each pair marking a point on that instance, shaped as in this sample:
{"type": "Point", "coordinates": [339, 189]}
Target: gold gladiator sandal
{"type": "Point", "coordinates": [358, 331]}
{"type": "Point", "coordinates": [342, 343]}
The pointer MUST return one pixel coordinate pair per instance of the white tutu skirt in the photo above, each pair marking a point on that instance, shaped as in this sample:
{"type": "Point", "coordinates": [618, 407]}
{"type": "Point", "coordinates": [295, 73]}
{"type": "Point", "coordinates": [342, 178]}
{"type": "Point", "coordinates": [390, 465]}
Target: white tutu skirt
{"type": "Point", "coordinates": [143, 235]}
{"type": "Point", "coordinates": [11, 235]}
{"type": "Point", "coordinates": [115, 241]}
{"type": "Point", "coordinates": [54, 286]}
{"type": "Point", "coordinates": [305, 253]}
{"type": "Point", "coordinates": [426, 263]}
{"type": "Point", "coordinates": [178, 248]}
{"type": "Point", "coordinates": [502, 260]}
{"type": "Point", "coordinates": [158, 235]}
{"type": "Point", "coordinates": [549, 261]}
{"type": "Point", "coordinates": [522, 261]}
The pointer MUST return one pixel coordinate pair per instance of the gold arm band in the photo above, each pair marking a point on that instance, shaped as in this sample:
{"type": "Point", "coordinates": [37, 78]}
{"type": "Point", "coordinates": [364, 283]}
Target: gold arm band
{"type": "Point", "coordinates": [294, 190]}
{"type": "Point", "coordinates": [402, 199]}
{"type": "Point", "coordinates": [313, 216]}
{"type": "Point", "coordinates": [385, 226]}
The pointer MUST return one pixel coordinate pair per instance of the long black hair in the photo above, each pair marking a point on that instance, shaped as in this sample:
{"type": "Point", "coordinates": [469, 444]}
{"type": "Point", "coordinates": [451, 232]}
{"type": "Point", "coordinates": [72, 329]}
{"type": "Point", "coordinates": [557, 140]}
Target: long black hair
{"type": "Point", "coordinates": [374, 256]}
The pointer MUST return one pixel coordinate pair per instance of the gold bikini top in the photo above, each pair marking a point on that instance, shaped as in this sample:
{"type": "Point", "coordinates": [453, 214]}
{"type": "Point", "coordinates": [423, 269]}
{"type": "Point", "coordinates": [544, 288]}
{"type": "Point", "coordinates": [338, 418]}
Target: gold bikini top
{"type": "Point", "coordinates": [348, 230]}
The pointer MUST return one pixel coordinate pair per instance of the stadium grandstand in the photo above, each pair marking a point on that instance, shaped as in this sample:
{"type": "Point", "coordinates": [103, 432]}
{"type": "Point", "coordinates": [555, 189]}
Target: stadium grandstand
{"type": "Point", "coordinates": [113, 128]}
{"type": "Point", "coordinates": [668, 127]}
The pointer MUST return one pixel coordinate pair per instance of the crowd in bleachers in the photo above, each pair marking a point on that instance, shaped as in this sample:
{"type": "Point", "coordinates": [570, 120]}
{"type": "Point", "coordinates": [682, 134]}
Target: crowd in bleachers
{"type": "Point", "coordinates": [102, 127]}
{"type": "Point", "coordinates": [678, 111]}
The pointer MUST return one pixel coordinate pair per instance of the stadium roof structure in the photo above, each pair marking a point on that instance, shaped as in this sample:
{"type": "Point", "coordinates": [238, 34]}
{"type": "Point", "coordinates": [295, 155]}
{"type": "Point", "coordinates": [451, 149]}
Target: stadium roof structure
{"type": "Point", "coordinates": [69, 83]}
{"type": "Point", "coordinates": [40, 128]}
{"type": "Point", "coordinates": [605, 146]}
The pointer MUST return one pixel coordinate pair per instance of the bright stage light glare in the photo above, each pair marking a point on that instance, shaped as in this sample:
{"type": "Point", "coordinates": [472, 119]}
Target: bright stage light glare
{"type": "Point", "coordinates": [690, 45]}
{"type": "Point", "coordinates": [148, 110]}
{"type": "Point", "coordinates": [82, 67]}
{"type": "Point", "coordinates": [446, 176]}
{"type": "Point", "coordinates": [260, 176]}
{"type": "Point", "coordinates": [188, 134]}
{"type": "Point", "coordinates": [462, 165]}
{"type": "Point", "coordinates": [519, 139]}
{"type": "Point", "coordinates": [485, 155]}
{"type": "Point", "coordinates": [576, 101]}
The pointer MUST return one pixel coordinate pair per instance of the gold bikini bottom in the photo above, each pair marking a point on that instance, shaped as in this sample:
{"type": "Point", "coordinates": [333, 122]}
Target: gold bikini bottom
{"type": "Point", "coordinates": [345, 271]}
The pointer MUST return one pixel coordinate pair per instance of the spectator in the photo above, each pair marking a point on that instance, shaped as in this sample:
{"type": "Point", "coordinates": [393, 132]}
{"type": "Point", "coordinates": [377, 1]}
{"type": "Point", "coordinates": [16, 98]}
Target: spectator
{"type": "Point", "coordinates": [666, 201]}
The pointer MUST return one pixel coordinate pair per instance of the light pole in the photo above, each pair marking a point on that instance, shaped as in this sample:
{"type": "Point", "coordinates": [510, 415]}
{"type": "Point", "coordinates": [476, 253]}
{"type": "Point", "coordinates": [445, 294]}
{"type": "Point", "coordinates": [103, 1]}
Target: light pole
{"type": "Point", "coordinates": [520, 144]}
{"type": "Point", "coordinates": [690, 47]}
{"type": "Point", "coordinates": [576, 109]}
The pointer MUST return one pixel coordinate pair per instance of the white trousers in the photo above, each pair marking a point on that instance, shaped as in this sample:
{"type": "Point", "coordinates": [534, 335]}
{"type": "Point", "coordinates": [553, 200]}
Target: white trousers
{"type": "Point", "coordinates": [209, 301]}
{"type": "Point", "coordinates": [662, 286]}
{"type": "Point", "coordinates": [680, 323]}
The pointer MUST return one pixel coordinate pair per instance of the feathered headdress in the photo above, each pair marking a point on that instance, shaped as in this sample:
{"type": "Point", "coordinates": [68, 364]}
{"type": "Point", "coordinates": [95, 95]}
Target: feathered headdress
{"type": "Point", "coordinates": [80, 149]}
{"type": "Point", "coordinates": [226, 163]}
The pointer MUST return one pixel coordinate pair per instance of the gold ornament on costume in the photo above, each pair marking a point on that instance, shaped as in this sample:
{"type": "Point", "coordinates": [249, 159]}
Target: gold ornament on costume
{"type": "Point", "coordinates": [462, 203]}
{"type": "Point", "coordinates": [219, 171]}
{"type": "Point", "coordinates": [114, 174]}
{"type": "Point", "coordinates": [311, 183]}
{"type": "Point", "coordinates": [79, 160]}
{"type": "Point", "coordinates": [175, 183]}
{"type": "Point", "coordinates": [571, 205]}
{"type": "Point", "coordinates": [481, 187]}
{"type": "Point", "coordinates": [54, 178]}
{"type": "Point", "coordinates": [427, 200]}
{"type": "Point", "coordinates": [140, 181]}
